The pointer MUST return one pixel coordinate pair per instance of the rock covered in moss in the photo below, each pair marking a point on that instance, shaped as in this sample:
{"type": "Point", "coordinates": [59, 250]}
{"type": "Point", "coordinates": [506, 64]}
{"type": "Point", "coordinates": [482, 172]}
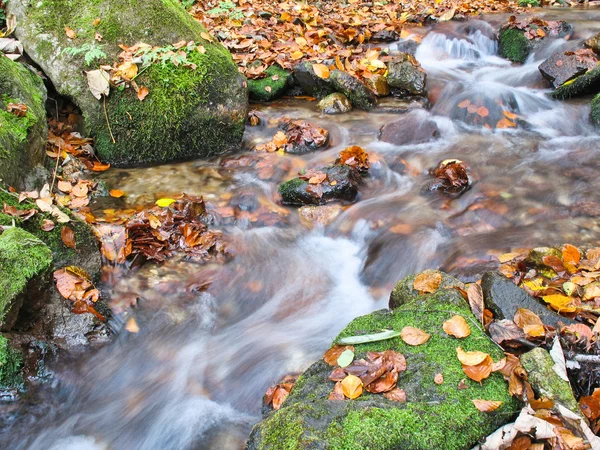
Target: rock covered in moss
{"type": "Point", "coordinates": [11, 362]}
{"type": "Point", "coordinates": [335, 103]}
{"type": "Point", "coordinates": [272, 86]}
{"type": "Point", "coordinates": [513, 42]}
{"type": "Point", "coordinates": [306, 77]}
{"type": "Point", "coordinates": [406, 75]}
{"type": "Point", "coordinates": [595, 110]}
{"type": "Point", "coordinates": [593, 43]}
{"type": "Point", "coordinates": [355, 90]}
{"type": "Point", "coordinates": [189, 112]}
{"type": "Point", "coordinates": [513, 45]}
{"type": "Point", "coordinates": [405, 292]}
{"type": "Point", "coordinates": [435, 416]}
{"type": "Point", "coordinates": [545, 381]}
{"type": "Point", "coordinates": [341, 184]}
{"type": "Point", "coordinates": [585, 84]}
{"type": "Point", "coordinates": [22, 137]}
{"type": "Point", "coordinates": [23, 257]}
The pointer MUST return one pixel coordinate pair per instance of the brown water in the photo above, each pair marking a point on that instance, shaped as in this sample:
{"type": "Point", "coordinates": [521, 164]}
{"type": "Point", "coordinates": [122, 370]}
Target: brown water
{"type": "Point", "coordinates": [194, 376]}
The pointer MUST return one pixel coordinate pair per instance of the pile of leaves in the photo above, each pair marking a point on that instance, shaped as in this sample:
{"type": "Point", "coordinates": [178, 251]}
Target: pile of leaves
{"type": "Point", "coordinates": [295, 136]}
{"type": "Point", "coordinates": [45, 201]}
{"type": "Point", "coordinates": [261, 33]}
{"type": "Point", "coordinates": [75, 284]}
{"type": "Point", "coordinates": [534, 27]}
{"type": "Point", "coordinates": [276, 395]}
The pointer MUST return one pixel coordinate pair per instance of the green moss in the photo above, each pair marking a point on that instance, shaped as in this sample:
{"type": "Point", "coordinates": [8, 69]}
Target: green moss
{"type": "Point", "coordinates": [588, 83]}
{"type": "Point", "coordinates": [284, 431]}
{"type": "Point", "coordinates": [595, 110]}
{"type": "Point", "coordinates": [11, 362]}
{"type": "Point", "coordinates": [513, 45]}
{"type": "Point", "coordinates": [405, 292]}
{"type": "Point", "coordinates": [257, 88]}
{"type": "Point", "coordinates": [524, 3]}
{"type": "Point", "coordinates": [289, 189]}
{"type": "Point", "coordinates": [22, 256]}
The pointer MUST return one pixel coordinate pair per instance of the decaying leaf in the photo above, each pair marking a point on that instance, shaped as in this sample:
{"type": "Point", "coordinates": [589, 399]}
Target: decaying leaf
{"type": "Point", "coordinates": [68, 237]}
{"type": "Point", "coordinates": [486, 405]}
{"type": "Point", "coordinates": [396, 395]}
{"type": "Point", "coordinates": [414, 336]}
{"type": "Point", "coordinates": [457, 326]}
{"type": "Point", "coordinates": [427, 282]}
{"type": "Point", "coordinates": [98, 82]}
{"type": "Point", "coordinates": [475, 297]}
{"type": "Point", "coordinates": [529, 322]}
{"type": "Point", "coordinates": [331, 356]}
{"type": "Point", "coordinates": [438, 379]}
{"type": "Point", "coordinates": [480, 371]}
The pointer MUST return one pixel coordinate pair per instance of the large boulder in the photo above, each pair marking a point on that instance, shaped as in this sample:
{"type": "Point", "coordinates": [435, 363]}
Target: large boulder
{"type": "Point", "coordinates": [406, 75]}
{"type": "Point", "coordinates": [23, 134]}
{"type": "Point", "coordinates": [196, 109]}
{"type": "Point", "coordinates": [564, 66]}
{"type": "Point", "coordinates": [434, 416]}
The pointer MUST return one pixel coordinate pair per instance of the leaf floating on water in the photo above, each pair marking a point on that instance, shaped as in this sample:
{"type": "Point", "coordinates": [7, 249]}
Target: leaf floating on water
{"type": "Point", "coordinates": [414, 336]}
{"type": "Point", "coordinates": [486, 405]}
{"type": "Point", "coordinates": [132, 325]}
{"type": "Point", "coordinates": [457, 326]}
{"type": "Point", "coordinates": [346, 358]}
{"type": "Point", "coordinates": [352, 387]}
{"type": "Point", "coordinates": [427, 282]}
{"type": "Point", "coordinates": [389, 334]}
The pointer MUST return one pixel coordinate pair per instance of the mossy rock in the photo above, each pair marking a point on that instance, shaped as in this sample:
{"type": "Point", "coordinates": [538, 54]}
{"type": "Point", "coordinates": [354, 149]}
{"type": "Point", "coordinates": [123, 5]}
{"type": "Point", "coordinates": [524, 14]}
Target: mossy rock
{"type": "Point", "coordinates": [513, 45]}
{"type": "Point", "coordinates": [404, 291]}
{"type": "Point", "coordinates": [595, 110]}
{"type": "Point", "coordinates": [22, 258]}
{"type": "Point", "coordinates": [22, 139]}
{"type": "Point", "coordinates": [189, 112]}
{"type": "Point", "coordinates": [276, 81]}
{"type": "Point", "coordinates": [355, 90]}
{"type": "Point", "coordinates": [434, 416]}
{"type": "Point", "coordinates": [11, 362]}
{"type": "Point", "coordinates": [588, 83]}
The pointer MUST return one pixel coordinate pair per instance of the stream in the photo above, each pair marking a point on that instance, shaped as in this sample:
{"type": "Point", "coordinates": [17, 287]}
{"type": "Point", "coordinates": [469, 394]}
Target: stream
{"type": "Point", "coordinates": [194, 375]}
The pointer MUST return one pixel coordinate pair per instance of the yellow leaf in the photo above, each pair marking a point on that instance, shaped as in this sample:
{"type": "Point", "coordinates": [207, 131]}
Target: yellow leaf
{"type": "Point", "coordinates": [470, 358]}
{"type": "Point", "coordinates": [428, 282]}
{"type": "Point", "coordinates": [132, 326]}
{"type": "Point", "coordinates": [486, 405]}
{"type": "Point", "coordinates": [560, 302]}
{"type": "Point", "coordinates": [164, 202]}
{"type": "Point", "coordinates": [352, 387]}
{"type": "Point", "coordinates": [321, 70]}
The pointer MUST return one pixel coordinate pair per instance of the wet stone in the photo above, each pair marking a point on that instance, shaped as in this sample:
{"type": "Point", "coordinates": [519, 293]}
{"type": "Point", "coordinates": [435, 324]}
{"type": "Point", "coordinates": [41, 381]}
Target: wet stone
{"type": "Point", "coordinates": [593, 43]}
{"type": "Point", "coordinates": [564, 66]}
{"type": "Point", "coordinates": [407, 75]}
{"type": "Point", "coordinates": [357, 92]}
{"type": "Point", "coordinates": [378, 84]}
{"type": "Point", "coordinates": [412, 128]}
{"type": "Point", "coordinates": [313, 85]}
{"type": "Point", "coordinates": [335, 103]}
{"type": "Point", "coordinates": [385, 36]}
{"type": "Point", "coordinates": [319, 215]}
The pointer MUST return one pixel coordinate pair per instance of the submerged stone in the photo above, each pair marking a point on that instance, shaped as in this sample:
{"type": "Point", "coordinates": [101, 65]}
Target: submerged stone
{"type": "Point", "coordinates": [190, 111]}
{"type": "Point", "coordinates": [11, 362]}
{"type": "Point", "coordinates": [412, 128]}
{"type": "Point", "coordinates": [564, 66]}
{"type": "Point", "coordinates": [503, 298]}
{"type": "Point", "coordinates": [335, 103]}
{"type": "Point", "coordinates": [22, 137]}
{"type": "Point", "coordinates": [435, 416]}
{"type": "Point", "coordinates": [355, 90]}
{"type": "Point", "coordinates": [406, 75]}
{"type": "Point", "coordinates": [272, 86]}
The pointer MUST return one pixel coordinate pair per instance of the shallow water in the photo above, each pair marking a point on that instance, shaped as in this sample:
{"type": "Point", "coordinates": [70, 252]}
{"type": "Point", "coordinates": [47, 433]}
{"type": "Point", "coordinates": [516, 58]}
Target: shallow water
{"type": "Point", "coordinates": [194, 376]}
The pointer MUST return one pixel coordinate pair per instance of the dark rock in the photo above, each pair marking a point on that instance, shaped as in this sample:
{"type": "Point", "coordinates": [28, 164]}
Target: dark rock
{"type": "Point", "coordinates": [582, 85]}
{"type": "Point", "coordinates": [503, 298]}
{"type": "Point", "coordinates": [312, 84]}
{"type": "Point", "coordinates": [272, 86]}
{"type": "Point", "coordinates": [593, 43]}
{"type": "Point", "coordinates": [564, 66]}
{"type": "Point", "coordinates": [303, 137]}
{"type": "Point", "coordinates": [335, 103]}
{"type": "Point", "coordinates": [406, 74]}
{"type": "Point", "coordinates": [265, 15]}
{"type": "Point", "coordinates": [412, 128]}
{"type": "Point", "coordinates": [434, 416]}
{"type": "Point", "coordinates": [451, 178]}
{"type": "Point", "coordinates": [343, 182]}
{"type": "Point", "coordinates": [378, 84]}
{"type": "Point", "coordinates": [357, 92]}
{"type": "Point", "coordinates": [404, 46]}
{"type": "Point", "coordinates": [385, 36]}
{"type": "Point", "coordinates": [595, 110]}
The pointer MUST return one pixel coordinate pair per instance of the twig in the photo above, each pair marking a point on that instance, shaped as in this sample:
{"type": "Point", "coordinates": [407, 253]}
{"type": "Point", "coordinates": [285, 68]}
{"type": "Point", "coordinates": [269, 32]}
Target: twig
{"type": "Point", "coordinates": [587, 358]}
{"type": "Point", "coordinates": [55, 170]}
{"type": "Point", "coordinates": [107, 122]}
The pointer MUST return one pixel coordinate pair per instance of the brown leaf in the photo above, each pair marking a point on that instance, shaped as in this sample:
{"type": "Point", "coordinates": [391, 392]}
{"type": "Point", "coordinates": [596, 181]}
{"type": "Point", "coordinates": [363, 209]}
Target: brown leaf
{"type": "Point", "coordinates": [384, 383]}
{"type": "Point", "coordinates": [414, 336]}
{"type": "Point", "coordinates": [47, 225]}
{"type": "Point", "coordinates": [482, 111]}
{"type": "Point", "coordinates": [352, 387]}
{"type": "Point", "coordinates": [590, 405]}
{"type": "Point", "coordinates": [337, 393]}
{"type": "Point", "coordinates": [470, 358]}
{"type": "Point", "coordinates": [279, 397]}
{"type": "Point", "coordinates": [354, 156]}
{"type": "Point", "coordinates": [457, 326]}
{"type": "Point", "coordinates": [480, 371]}
{"type": "Point", "coordinates": [70, 33]}
{"type": "Point", "coordinates": [331, 356]}
{"type": "Point", "coordinates": [486, 405]}
{"type": "Point", "coordinates": [529, 322]}
{"type": "Point", "coordinates": [427, 282]}
{"type": "Point", "coordinates": [142, 93]}
{"type": "Point", "coordinates": [68, 237]}
{"type": "Point", "coordinates": [475, 297]}
{"type": "Point", "coordinates": [396, 395]}
{"type": "Point", "coordinates": [65, 186]}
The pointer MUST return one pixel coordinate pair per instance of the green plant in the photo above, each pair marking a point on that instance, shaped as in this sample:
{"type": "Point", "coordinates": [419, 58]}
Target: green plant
{"type": "Point", "coordinates": [529, 3]}
{"type": "Point", "coordinates": [226, 7]}
{"type": "Point", "coordinates": [187, 4]}
{"type": "Point", "coordinates": [92, 52]}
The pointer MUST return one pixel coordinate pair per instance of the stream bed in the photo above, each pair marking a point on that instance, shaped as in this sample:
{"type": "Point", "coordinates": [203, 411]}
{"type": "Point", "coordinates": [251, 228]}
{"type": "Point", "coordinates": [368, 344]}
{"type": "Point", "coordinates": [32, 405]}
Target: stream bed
{"type": "Point", "coordinates": [194, 375]}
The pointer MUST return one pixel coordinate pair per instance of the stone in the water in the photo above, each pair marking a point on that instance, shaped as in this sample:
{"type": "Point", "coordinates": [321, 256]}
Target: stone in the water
{"type": "Point", "coordinates": [595, 110]}
{"type": "Point", "coordinates": [385, 36]}
{"type": "Point", "coordinates": [193, 110]}
{"type": "Point", "coordinates": [357, 92]}
{"type": "Point", "coordinates": [564, 66]}
{"type": "Point", "coordinates": [545, 381]}
{"type": "Point", "coordinates": [272, 86]}
{"type": "Point", "coordinates": [503, 298]}
{"type": "Point", "coordinates": [434, 416]}
{"type": "Point", "coordinates": [319, 215]}
{"type": "Point", "coordinates": [335, 103]}
{"type": "Point", "coordinates": [582, 85]}
{"type": "Point", "coordinates": [313, 85]}
{"type": "Point", "coordinates": [378, 84]}
{"type": "Point", "coordinates": [412, 128]}
{"type": "Point", "coordinates": [593, 43]}
{"type": "Point", "coordinates": [342, 184]}
{"type": "Point", "coordinates": [406, 74]}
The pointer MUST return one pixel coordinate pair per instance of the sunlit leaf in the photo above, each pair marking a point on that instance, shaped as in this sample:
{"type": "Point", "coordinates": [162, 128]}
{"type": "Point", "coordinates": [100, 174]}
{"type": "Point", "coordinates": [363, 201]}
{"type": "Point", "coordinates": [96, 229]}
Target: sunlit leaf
{"type": "Point", "coordinates": [352, 387]}
{"type": "Point", "coordinates": [427, 282]}
{"type": "Point", "coordinates": [164, 202]}
{"type": "Point", "coordinates": [457, 326]}
{"type": "Point", "coordinates": [470, 358]}
{"type": "Point", "coordinates": [414, 336]}
{"type": "Point", "coordinates": [486, 405]}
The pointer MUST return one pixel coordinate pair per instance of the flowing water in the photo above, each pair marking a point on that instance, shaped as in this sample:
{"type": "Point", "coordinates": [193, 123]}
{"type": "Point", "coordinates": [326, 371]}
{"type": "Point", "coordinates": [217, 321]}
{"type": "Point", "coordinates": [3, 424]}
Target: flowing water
{"type": "Point", "coordinates": [194, 376]}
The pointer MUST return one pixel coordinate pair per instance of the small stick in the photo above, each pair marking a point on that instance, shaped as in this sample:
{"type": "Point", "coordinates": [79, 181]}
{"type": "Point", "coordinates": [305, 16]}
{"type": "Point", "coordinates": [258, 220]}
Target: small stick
{"type": "Point", "coordinates": [55, 169]}
{"type": "Point", "coordinates": [107, 122]}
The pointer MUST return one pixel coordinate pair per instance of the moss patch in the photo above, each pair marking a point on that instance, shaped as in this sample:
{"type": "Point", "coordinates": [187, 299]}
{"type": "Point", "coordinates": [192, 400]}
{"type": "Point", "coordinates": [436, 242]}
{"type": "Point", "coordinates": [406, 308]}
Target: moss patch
{"type": "Point", "coordinates": [276, 80]}
{"type": "Point", "coordinates": [22, 257]}
{"type": "Point", "coordinates": [435, 416]}
{"type": "Point", "coordinates": [595, 110]}
{"type": "Point", "coordinates": [11, 362]}
{"type": "Point", "coordinates": [588, 83]}
{"type": "Point", "coordinates": [513, 45]}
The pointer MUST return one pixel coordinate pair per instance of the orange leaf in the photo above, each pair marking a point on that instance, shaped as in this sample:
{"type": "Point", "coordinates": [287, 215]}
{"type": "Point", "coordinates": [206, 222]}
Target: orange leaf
{"type": "Point", "coordinates": [142, 93]}
{"type": "Point", "coordinates": [352, 387]}
{"type": "Point", "coordinates": [470, 358]}
{"type": "Point", "coordinates": [331, 356]}
{"type": "Point", "coordinates": [438, 379]}
{"type": "Point", "coordinates": [132, 326]}
{"type": "Point", "coordinates": [321, 70]}
{"type": "Point", "coordinates": [480, 371]}
{"type": "Point", "coordinates": [414, 336]}
{"type": "Point", "coordinates": [464, 104]}
{"type": "Point", "coordinates": [483, 111]}
{"type": "Point", "coordinates": [529, 322]}
{"type": "Point", "coordinates": [68, 237]}
{"type": "Point", "coordinates": [70, 33]}
{"type": "Point", "coordinates": [571, 254]}
{"type": "Point", "coordinates": [457, 326]}
{"type": "Point", "coordinates": [486, 405]}
{"type": "Point", "coordinates": [505, 123]}
{"type": "Point", "coordinates": [99, 167]}
{"type": "Point", "coordinates": [116, 193]}
{"type": "Point", "coordinates": [396, 395]}
{"type": "Point", "coordinates": [509, 115]}
{"type": "Point", "coordinates": [427, 282]}
{"type": "Point", "coordinates": [475, 297]}
{"type": "Point", "coordinates": [560, 303]}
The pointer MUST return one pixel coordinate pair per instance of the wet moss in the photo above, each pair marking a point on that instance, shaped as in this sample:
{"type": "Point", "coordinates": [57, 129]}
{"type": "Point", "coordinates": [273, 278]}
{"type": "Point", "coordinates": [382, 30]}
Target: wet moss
{"type": "Point", "coordinates": [582, 85]}
{"type": "Point", "coordinates": [595, 110]}
{"type": "Point", "coordinates": [289, 189]}
{"type": "Point", "coordinates": [513, 45]}
{"type": "Point", "coordinates": [22, 257]}
{"type": "Point", "coordinates": [277, 86]}
{"type": "Point", "coordinates": [11, 362]}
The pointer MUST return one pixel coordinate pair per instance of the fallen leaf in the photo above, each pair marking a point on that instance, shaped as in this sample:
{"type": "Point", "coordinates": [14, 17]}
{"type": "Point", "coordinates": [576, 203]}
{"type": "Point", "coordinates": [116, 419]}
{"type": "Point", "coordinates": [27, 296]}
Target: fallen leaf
{"type": "Point", "coordinates": [116, 193]}
{"type": "Point", "coordinates": [64, 186]}
{"type": "Point", "coordinates": [396, 395]}
{"type": "Point", "coordinates": [414, 336]}
{"type": "Point", "coordinates": [529, 322]}
{"type": "Point", "coordinates": [132, 325]}
{"type": "Point", "coordinates": [560, 303]}
{"type": "Point", "coordinates": [457, 326]}
{"type": "Point", "coordinates": [98, 83]}
{"type": "Point", "coordinates": [70, 33]}
{"type": "Point", "coordinates": [321, 70]}
{"type": "Point", "coordinates": [470, 358]}
{"type": "Point", "coordinates": [475, 297]}
{"type": "Point", "coordinates": [480, 371]}
{"type": "Point", "coordinates": [47, 225]}
{"type": "Point", "coordinates": [164, 202]}
{"type": "Point", "coordinates": [352, 387]}
{"type": "Point", "coordinates": [486, 405]}
{"type": "Point", "coordinates": [142, 93]}
{"type": "Point", "coordinates": [68, 237]}
{"type": "Point", "coordinates": [438, 379]}
{"type": "Point", "coordinates": [346, 358]}
{"type": "Point", "coordinates": [331, 356]}
{"type": "Point", "coordinates": [427, 282]}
